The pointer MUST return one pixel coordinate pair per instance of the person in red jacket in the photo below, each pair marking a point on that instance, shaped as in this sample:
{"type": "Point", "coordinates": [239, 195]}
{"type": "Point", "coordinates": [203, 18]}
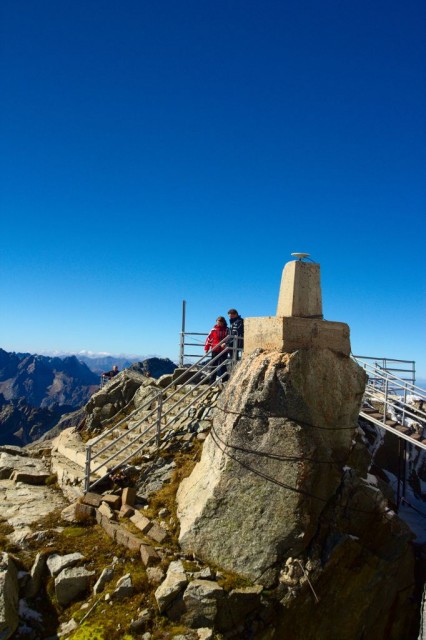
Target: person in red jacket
{"type": "Point", "coordinates": [216, 344]}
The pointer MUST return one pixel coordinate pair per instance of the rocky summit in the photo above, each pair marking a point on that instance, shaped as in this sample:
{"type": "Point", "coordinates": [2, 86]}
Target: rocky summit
{"type": "Point", "coordinates": [253, 517]}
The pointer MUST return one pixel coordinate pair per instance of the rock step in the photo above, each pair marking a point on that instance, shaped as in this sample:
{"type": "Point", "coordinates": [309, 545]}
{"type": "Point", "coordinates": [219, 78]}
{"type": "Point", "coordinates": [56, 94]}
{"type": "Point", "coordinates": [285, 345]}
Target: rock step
{"type": "Point", "coordinates": [70, 475]}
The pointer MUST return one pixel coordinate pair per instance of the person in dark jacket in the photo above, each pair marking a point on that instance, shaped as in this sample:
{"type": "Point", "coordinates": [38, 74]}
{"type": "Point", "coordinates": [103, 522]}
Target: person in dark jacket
{"type": "Point", "coordinates": [216, 344]}
{"type": "Point", "coordinates": [110, 374]}
{"type": "Point", "coordinates": [236, 328]}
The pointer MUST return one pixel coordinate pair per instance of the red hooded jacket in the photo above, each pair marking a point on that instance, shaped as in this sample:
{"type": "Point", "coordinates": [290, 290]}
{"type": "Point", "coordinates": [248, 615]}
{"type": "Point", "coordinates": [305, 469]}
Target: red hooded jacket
{"type": "Point", "coordinates": [218, 333]}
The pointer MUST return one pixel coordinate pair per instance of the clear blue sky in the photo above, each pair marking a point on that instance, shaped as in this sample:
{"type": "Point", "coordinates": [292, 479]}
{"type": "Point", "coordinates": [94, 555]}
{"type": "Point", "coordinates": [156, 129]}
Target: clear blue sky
{"type": "Point", "coordinates": [158, 151]}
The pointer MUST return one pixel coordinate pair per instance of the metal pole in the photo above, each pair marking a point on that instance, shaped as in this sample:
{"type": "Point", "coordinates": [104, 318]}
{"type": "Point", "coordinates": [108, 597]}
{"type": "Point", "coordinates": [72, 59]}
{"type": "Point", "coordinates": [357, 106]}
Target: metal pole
{"type": "Point", "coordinates": [404, 404]}
{"type": "Point", "coordinates": [87, 470]}
{"type": "Point", "coordinates": [182, 334]}
{"type": "Point", "coordinates": [159, 413]}
{"type": "Point", "coordinates": [404, 472]}
{"type": "Point", "coordinates": [234, 350]}
{"type": "Point", "coordinates": [385, 405]}
{"type": "Point", "coordinates": [398, 485]}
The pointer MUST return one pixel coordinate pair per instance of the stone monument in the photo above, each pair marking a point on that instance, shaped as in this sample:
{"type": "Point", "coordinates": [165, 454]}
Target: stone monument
{"type": "Point", "coordinates": [298, 323]}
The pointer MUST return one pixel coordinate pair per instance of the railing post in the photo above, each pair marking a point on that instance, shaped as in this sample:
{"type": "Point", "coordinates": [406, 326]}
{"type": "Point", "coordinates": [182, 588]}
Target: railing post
{"type": "Point", "coordinates": [404, 404]}
{"type": "Point", "coordinates": [87, 469]}
{"type": "Point", "coordinates": [234, 350]}
{"type": "Point", "coordinates": [159, 415]}
{"type": "Point", "coordinates": [404, 473]}
{"type": "Point", "coordinates": [182, 334]}
{"type": "Point", "coordinates": [385, 402]}
{"type": "Point", "coordinates": [181, 349]}
{"type": "Point", "coordinates": [376, 376]}
{"type": "Point", "coordinates": [398, 485]}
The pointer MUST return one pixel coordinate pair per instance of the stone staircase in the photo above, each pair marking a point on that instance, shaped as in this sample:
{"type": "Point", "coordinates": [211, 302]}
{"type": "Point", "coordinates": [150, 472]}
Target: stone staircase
{"type": "Point", "coordinates": [393, 404]}
{"type": "Point", "coordinates": [186, 414]}
{"type": "Point", "coordinates": [375, 415]}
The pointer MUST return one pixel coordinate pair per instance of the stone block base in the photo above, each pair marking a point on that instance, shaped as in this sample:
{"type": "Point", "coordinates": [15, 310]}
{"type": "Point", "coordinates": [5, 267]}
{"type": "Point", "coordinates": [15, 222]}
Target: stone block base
{"type": "Point", "coordinates": [287, 334]}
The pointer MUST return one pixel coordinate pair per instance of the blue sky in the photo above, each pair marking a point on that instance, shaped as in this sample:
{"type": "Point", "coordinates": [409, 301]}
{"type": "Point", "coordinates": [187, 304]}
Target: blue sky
{"type": "Point", "coordinates": [158, 151]}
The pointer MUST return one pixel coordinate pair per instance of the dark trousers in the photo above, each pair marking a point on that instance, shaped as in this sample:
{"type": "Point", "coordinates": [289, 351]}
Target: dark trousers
{"type": "Point", "coordinates": [220, 363]}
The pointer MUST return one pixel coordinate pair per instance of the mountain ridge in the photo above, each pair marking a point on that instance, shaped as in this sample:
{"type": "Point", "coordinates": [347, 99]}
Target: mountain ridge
{"type": "Point", "coordinates": [36, 391]}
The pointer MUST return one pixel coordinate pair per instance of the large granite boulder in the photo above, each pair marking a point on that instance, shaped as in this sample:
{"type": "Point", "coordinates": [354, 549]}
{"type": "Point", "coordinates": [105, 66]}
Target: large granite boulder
{"type": "Point", "coordinates": [282, 433]}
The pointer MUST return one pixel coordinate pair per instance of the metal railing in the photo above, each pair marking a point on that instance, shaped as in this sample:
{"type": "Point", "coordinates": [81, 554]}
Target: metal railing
{"type": "Point", "coordinates": [406, 369]}
{"type": "Point", "coordinates": [383, 386]}
{"type": "Point", "coordinates": [205, 372]}
{"type": "Point", "coordinates": [394, 398]}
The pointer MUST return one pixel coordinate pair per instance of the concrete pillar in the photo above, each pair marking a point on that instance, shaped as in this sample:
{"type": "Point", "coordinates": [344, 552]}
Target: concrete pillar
{"type": "Point", "coordinates": [299, 322]}
{"type": "Point", "coordinates": [300, 291]}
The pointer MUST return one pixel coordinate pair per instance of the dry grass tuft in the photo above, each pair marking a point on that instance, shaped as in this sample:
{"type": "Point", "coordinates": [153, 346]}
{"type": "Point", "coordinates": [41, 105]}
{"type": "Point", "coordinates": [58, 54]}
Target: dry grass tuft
{"type": "Point", "coordinates": [5, 530]}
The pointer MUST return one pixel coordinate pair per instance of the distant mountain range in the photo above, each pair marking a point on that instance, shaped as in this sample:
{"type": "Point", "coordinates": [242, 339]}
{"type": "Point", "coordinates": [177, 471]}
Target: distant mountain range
{"type": "Point", "coordinates": [101, 362]}
{"type": "Point", "coordinates": [37, 390]}
{"type": "Point", "coordinates": [45, 381]}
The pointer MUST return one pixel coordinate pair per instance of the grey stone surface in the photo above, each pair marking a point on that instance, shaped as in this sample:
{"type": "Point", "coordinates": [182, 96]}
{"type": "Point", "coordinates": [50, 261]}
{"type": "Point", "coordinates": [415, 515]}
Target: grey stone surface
{"type": "Point", "coordinates": [149, 556]}
{"type": "Point", "coordinates": [106, 511]}
{"type": "Point", "coordinates": [56, 563]}
{"type": "Point", "coordinates": [20, 504]}
{"type": "Point", "coordinates": [175, 582]}
{"type": "Point", "coordinates": [204, 574]}
{"type": "Point", "coordinates": [138, 625]}
{"type": "Point", "coordinates": [111, 399]}
{"type": "Point", "coordinates": [78, 512]}
{"type": "Point", "coordinates": [9, 595]}
{"type": "Point", "coordinates": [36, 576]}
{"type": "Point", "coordinates": [156, 532]}
{"type": "Point", "coordinates": [71, 583]}
{"type": "Point", "coordinates": [15, 461]}
{"type": "Point", "coordinates": [124, 588]}
{"type": "Point", "coordinates": [30, 478]}
{"type": "Point", "coordinates": [68, 627]}
{"type": "Point", "coordinates": [202, 599]}
{"type": "Point", "coordinates": [103, 579]}
{"type": "Point", "coordinates": [155, 575]}
{"type": "Point", "coordinates": [13, 450]}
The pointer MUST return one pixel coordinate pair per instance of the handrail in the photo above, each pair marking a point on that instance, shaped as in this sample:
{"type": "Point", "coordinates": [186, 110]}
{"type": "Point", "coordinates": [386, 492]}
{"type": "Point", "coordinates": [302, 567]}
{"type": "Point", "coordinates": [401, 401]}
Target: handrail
{"type": "Point", "coordinates": [382, 386]}
{"type": "Point", "coordinates": [380, 373]}
{"type": "Point", "coordinates": [387, 365]}
{"type": "Point", "coordinates": [404, 436]}
{"type": "Point", "coordinates": [208, 369]}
